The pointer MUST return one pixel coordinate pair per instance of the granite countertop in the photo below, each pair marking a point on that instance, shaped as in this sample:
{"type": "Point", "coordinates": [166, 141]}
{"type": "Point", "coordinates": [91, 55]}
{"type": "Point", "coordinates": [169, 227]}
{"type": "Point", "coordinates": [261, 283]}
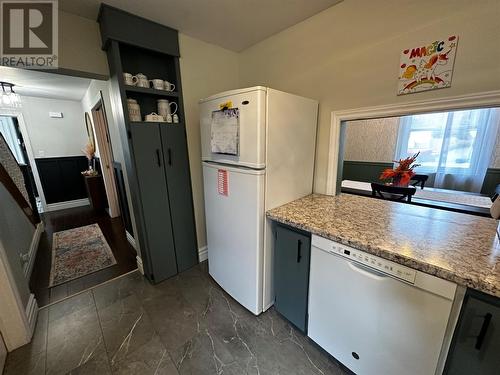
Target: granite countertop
{"type": "Point", "coordinates": [457, 247]}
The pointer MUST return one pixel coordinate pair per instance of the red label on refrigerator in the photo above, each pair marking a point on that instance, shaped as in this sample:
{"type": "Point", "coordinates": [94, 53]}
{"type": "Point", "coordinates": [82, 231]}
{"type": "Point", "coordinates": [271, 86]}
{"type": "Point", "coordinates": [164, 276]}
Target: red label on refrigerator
{"type": "Point", "coordinates": [222, 184]}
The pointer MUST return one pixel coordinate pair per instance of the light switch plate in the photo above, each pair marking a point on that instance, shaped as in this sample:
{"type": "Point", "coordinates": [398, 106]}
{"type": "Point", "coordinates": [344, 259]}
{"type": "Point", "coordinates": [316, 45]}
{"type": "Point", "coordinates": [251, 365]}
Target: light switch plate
{"type": "Point", "coordinates": [56, 114]}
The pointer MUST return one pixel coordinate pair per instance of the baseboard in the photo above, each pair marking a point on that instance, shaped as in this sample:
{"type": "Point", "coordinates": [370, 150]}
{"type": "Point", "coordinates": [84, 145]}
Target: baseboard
{"type": "Point", "coordinates": [140, 267]}
{"type": "Point", "coordinates": [28, 266]}
{"type": "Point", "coordinates": [131, 240]}
{"type": "Point", "coordinates": [32, 313]}
{"type": "Point", "coordinates": [65, 205]}
{"type": "Point", "coordinates": [203, 253]}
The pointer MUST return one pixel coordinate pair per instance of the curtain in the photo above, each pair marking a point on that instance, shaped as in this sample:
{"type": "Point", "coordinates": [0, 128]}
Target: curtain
{"type": "Point", "coordinates": [9, 132]}
{"type": "Point", "coordinates": [455, 147]}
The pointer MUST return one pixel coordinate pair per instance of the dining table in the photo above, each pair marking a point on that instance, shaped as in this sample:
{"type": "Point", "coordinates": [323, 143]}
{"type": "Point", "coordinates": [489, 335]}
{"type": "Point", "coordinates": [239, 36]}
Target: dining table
{"type": "Point", "coordinates": [446, 199]}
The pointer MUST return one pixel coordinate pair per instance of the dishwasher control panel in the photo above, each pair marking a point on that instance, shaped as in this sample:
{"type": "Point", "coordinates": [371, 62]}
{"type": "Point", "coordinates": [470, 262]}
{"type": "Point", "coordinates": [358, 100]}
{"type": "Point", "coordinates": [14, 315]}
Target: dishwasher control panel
{"type": "Point", "coordinates": [383, 265]}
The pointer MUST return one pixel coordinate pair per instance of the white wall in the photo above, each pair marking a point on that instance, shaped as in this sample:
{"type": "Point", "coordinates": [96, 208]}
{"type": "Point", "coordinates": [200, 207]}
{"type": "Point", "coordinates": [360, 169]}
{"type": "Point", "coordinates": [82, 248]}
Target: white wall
{"type": "Point", "coordinates": [205, 70]}
{"type": "Point", "coordinates": [54, 137]}
{"type": "Point", "coordinates": [16, 235]}
{"type": "Point", "coordinates": [80, 45]}
{"type": "Point", "coordinates": [371, 140]}
{"type": "Point", "coordinates": [348, 55]}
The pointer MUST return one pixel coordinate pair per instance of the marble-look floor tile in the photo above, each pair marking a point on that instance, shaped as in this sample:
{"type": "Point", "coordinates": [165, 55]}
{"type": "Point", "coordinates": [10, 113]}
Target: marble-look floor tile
{"type": "Point", "coordinates": [30, 358]}
{"type": "Point", "coordinates": [186, 325]}
{"type": "Point", "coordinates": [74, 338]}
{"type": "Point", "coordinates": [126, 327]}
{"type": "Point", "coordinates": [151, 358]}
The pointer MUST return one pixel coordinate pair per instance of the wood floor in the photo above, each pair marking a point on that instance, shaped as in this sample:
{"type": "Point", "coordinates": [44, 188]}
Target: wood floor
{"type": "Point", "coordinates": [56, 221]}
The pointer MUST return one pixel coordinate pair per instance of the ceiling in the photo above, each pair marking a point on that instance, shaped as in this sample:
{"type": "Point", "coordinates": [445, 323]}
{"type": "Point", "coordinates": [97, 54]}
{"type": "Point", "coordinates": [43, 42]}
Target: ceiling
{"type": "Point", "coordinates": [43, 84]}
{"type": "Point", "coordinates": [232, 24]}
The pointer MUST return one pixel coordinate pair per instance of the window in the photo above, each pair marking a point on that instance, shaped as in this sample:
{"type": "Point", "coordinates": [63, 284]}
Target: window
{"type": "Point", "coordinates": [458, 143]}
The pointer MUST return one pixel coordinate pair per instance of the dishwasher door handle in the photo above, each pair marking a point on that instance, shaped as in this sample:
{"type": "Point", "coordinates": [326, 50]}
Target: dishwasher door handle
{"type": "Point", "coordinates": [370, 272]}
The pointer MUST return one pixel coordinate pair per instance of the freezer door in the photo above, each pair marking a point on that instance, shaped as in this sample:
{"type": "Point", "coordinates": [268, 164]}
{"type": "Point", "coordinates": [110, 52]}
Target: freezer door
{"type": "Point", "coordinates": [234, 209]}
{"type": "Point", "coordinates": [252, 129]}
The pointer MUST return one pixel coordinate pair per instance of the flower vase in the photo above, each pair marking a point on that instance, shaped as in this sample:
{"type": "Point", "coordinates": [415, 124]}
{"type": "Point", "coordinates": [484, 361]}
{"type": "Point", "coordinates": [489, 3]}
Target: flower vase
{"type": "Point", "coordinates": [396, 181]}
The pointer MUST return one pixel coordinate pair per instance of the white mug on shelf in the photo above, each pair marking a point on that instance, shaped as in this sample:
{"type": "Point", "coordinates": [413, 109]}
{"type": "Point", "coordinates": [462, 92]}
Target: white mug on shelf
{"type": "Point", "coordinates": [141, 80]}
{"type": "Point", "coordinates": [134, 110]}
{"type": "Point", "coordinates": [164, 107]}
{"type": "Point", "coordinates": [157, 84]}
{"type": "Point", "coordinates": [168, 86]}
{"type": "Point", "coordinates": [127, 78]}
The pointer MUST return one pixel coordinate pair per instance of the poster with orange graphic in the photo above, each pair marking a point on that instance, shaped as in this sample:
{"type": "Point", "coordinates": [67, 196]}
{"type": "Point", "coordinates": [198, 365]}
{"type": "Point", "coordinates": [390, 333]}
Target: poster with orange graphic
{"type": "Point", "coordinates": [427, 67]}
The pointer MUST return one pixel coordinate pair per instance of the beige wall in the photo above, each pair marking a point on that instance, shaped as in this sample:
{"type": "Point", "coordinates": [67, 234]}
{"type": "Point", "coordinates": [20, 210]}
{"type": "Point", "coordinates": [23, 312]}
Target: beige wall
{"type": "Point", "coordinates": [371, 140]}
{"type": "Point", "coordinates": [205, 69]}
{"type": "Point", "coordinates": [347, 56]}
{"type": "Point", "coordinates": [80, 46]}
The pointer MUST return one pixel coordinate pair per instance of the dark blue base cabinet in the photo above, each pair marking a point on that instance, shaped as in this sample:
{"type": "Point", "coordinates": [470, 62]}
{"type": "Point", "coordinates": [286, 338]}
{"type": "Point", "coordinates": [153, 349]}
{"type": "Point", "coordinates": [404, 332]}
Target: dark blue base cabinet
{"type": "Point", "coordinates": [292, 254]}
{"type": "Point", "coordinates": [475, 349]}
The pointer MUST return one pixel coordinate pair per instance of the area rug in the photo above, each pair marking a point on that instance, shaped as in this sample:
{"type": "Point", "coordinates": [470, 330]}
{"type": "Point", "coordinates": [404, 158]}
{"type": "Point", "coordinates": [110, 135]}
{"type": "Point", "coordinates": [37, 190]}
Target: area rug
{"type": "Point", "coordinates": [78, 252]}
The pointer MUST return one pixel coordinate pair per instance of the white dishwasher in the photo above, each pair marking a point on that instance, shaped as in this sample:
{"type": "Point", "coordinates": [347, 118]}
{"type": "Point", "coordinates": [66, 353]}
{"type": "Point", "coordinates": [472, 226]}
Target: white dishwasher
{"type": "Point", "coordinates": [376, 316]}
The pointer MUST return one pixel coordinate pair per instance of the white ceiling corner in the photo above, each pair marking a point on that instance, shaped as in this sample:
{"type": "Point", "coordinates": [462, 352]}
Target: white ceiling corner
{"type": "Point", "coordinates": [232, 24]}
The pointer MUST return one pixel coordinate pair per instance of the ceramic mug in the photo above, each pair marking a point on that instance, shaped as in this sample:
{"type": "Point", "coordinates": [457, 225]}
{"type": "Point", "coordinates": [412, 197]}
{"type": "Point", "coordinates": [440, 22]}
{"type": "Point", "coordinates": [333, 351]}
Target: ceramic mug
{"type": "Point", "coordinates": [164, 107]}
{"type": "Point", "coordinates": [168, 86]}
{"type": "Point", "coordinates": [140, 80]}
{"type": "Point", "coordinates": [134, 110]}
{"type": "Point", "coordinates": [157, 84]}
{"type": "Point", "coordinates": [127, 78]}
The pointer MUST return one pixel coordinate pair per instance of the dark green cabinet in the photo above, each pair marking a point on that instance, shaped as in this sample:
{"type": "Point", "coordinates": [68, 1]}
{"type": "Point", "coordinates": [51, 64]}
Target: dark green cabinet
{"type": "Point", "coordinates": [151, 179]}
{"type": "Point", "coordinates": [475, 348]}
{"type": "Point", "coordinates": [292, 252]}
{"type": "Point", "coordinates": [179, 191]}
{"type": "Point", "coordinates": [155, 154]}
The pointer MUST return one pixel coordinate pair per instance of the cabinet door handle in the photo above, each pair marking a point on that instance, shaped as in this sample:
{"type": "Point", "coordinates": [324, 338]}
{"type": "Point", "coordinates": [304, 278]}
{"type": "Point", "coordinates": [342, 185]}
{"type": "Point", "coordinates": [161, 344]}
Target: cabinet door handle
{"type": "Point", "coordinates": [482, 332]}
{"type": "Point", "coordinates": [158, 157]}
{"type": "Point", "coordinates": [169, 157]}
{"type": "Point", "coordinates": [299, 251]}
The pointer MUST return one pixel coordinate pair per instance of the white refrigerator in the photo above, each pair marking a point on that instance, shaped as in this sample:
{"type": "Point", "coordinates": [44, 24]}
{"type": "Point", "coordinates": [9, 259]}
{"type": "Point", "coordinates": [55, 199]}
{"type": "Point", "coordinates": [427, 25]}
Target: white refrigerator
{"type": "Point", "coordinates": [258, 149]}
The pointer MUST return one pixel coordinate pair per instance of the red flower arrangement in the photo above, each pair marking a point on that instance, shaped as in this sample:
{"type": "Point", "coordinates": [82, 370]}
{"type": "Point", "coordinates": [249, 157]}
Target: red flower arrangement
{"type": "Point", "coordinates": [403, 173]}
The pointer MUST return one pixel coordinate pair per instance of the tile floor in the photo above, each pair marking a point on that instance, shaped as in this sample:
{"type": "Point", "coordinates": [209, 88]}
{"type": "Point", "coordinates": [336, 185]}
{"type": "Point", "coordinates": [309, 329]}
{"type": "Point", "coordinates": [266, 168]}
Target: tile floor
{"type": "Point", "coordinates": [185, 325]}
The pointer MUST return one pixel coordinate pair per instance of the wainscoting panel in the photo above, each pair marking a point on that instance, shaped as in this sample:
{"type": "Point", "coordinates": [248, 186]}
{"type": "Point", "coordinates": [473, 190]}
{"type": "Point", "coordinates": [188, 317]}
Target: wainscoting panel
{"type": "Point", "coordinates": [61, 178]}
{"type": "Point", "coordinates": [363, 170]}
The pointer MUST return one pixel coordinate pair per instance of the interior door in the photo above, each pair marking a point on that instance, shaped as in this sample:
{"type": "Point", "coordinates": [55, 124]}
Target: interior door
{"type": "Point", "coordinates": [234, 209]}
{"type": "Point", "coordinates": [252, 128]}
{"type": "Point", "coordinates": [176, 161]}
{"type": "Point", "coordinates": [152, 183]}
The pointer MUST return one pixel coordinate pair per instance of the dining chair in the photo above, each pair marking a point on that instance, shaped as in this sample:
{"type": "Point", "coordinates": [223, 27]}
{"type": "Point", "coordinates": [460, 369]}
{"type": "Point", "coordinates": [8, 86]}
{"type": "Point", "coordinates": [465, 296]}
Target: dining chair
{"type": "Point", "coordinates": [496, 193]}
{"type": "Point", "coordinates": [419, 179]}
{"type": "Point", "coordinates": [393, 193]}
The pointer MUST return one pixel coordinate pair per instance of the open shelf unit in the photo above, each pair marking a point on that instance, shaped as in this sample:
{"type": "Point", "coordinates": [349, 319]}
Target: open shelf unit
{"type": "Point", "coordinates": [151, 91]}
{"type": "Point", "coordinates": [155, 153]}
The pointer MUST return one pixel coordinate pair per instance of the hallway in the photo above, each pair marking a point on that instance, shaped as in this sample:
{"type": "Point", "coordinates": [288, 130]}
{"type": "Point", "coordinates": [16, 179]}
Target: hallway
{"type": "Point", "coordinates": [72, 218]}
{"type": "Point", "coordinates": [185, 325]}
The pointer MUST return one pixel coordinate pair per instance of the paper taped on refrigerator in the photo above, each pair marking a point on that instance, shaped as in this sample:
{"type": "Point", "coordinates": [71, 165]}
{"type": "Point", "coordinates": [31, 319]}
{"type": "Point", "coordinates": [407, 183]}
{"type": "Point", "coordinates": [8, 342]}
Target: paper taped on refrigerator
{"type": "Point", "coordinates": [225, 129]}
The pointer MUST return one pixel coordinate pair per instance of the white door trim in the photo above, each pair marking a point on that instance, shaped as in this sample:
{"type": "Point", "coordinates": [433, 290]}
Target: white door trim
{"type": "Point", "coordinates": [16, 325]}
{"type": "Point", "coordinates": [103, 139]}
{"type": "Point", "coordinates": [29, 150]}
{"type": "Point", "coordinates": [477, 100]}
